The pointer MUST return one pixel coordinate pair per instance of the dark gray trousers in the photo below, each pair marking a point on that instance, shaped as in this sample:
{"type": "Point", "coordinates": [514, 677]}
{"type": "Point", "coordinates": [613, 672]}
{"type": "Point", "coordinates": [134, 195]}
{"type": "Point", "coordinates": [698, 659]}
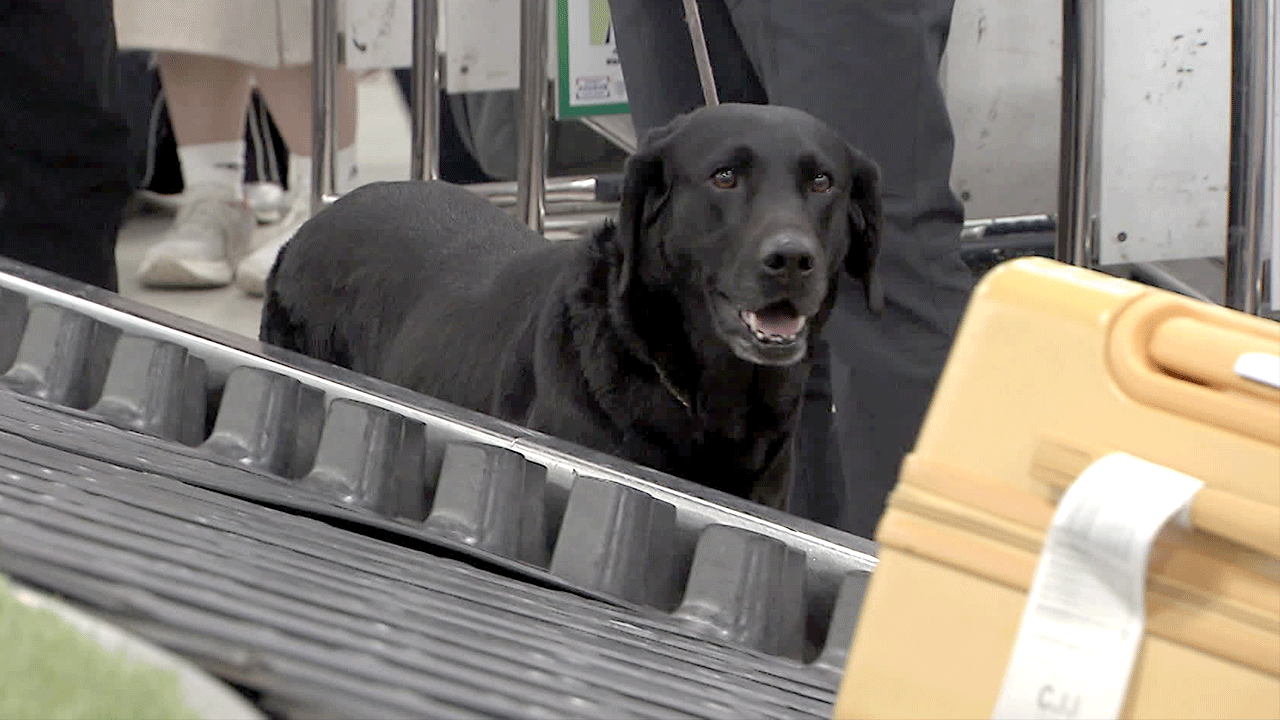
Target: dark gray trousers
{"type": "Point", "coordinates": [869, 68]}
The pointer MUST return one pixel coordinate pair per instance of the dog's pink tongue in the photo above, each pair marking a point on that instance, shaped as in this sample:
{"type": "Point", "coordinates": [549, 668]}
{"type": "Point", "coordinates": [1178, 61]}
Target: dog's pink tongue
{"type": "Point", "coordinates": [779, 323]}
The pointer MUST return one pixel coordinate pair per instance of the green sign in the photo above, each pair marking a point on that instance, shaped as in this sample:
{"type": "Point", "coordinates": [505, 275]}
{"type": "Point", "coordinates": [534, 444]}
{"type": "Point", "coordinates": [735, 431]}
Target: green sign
{"type": "Point", "coordinates": [589, 76]}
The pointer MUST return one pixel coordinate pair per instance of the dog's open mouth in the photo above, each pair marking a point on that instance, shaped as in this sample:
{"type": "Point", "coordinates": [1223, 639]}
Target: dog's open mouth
{"type": "Point", "coordinates": [773, 334]}
{"type": "Point", "coordinates": [775, 324]}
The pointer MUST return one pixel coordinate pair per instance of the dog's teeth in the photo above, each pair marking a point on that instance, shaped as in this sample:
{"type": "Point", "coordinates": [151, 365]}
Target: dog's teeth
{"type": "Point", "coordinates": [752, 323]}
{"type": "Point", "coordinates": [769, 338]}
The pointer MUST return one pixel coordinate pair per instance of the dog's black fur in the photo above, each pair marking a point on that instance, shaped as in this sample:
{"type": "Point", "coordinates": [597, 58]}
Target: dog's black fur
{"type": "Point", "coordinates": [632, 341]}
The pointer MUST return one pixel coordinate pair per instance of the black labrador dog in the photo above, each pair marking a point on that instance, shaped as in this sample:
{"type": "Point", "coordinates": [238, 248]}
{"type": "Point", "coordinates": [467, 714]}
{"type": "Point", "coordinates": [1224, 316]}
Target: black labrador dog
{"type": "Point", "coordinates": [676, 337]}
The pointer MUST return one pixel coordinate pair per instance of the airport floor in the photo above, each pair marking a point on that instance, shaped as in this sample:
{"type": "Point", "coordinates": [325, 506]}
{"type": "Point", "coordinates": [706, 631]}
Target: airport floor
{"type": "Point", "coordinates": [382, 147]}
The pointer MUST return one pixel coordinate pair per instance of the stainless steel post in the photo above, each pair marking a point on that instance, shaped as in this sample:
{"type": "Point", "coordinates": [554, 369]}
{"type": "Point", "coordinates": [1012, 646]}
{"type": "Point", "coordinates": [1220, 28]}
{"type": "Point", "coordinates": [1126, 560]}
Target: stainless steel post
{"type": "Point", "coordinates": [324, 73]}
{"type": "Point", "coordinates": [1253, 187]}
{"type": "Point", "coordinates": [571, 185]}
{"type": "Point", "coordinates": [700, 55]}
{"type": "Point", "coordinates": [1078, 155]}
{"type": "Point", "coordinates": [531, 166]}
{"type": "Point", "coordinates": [424, 162]}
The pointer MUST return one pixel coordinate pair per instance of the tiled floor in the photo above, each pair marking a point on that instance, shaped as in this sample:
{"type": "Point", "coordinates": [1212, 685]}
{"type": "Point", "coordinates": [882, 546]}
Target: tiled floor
{"type": "Point", "coordinates": [382, 147]}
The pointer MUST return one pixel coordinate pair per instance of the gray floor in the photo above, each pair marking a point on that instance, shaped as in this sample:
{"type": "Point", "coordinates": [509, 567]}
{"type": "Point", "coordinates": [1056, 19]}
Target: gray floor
{"type": "Point", "coordinates": [382, 148]}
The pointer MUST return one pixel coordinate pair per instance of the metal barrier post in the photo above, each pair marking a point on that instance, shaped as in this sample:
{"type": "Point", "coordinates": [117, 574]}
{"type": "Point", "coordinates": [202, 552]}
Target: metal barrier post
{"type": "Point", "coordinates": [425, 92]}
{"type": "Point", "coordinates": [1079, 146]}
{"type": "Point", "coordinates": [324, 65]}
{"type": "Point", "coordinates": [531, 138]}
{"type": "Point", "coordinates": [1253, 188]}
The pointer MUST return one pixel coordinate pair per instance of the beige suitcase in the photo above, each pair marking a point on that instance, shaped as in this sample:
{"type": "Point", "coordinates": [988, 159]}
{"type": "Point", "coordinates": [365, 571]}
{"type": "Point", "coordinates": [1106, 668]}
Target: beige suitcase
{"type": "Point", "coordinates": [1053, 368]}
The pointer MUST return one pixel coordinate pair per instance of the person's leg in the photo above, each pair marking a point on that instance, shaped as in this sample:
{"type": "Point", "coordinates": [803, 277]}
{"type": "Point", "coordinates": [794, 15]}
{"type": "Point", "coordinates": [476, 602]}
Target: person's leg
{"type": "Point", "coordinates": [64, 165]}
{"type": "Point", "coordinates": [457, 164]}
{"type": "Point", "coordinates": [657, 59]}
{"type": "Point", "coordinates": [266, 159]}
{"type": "Point", "coordinates": [870, 70]}
{"type": "Point", "coordinates": [287, 91]}
{"type": "Point", "coordinates": [208, 98]}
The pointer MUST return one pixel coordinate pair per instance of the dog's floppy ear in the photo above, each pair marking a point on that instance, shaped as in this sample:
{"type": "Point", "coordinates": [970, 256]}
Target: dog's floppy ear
{"type": "Point", "coordinates": [865, 223]}
{"type": "Point", "coordinates": [646, 189]}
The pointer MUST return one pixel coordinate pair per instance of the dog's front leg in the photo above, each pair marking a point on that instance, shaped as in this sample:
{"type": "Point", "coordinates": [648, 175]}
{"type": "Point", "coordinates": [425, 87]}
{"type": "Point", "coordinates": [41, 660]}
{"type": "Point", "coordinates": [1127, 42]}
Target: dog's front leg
{"type": "Point", "coordinates": [517, 388]}
{"type": "Point", "coordinates": [773, 488]}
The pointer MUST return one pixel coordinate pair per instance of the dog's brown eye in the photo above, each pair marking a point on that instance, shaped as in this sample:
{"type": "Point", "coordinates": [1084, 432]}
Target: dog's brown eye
{"type": "Point", "coordinates": [821, 183]}
{"type": "Point", "coordinates": [725, 178]}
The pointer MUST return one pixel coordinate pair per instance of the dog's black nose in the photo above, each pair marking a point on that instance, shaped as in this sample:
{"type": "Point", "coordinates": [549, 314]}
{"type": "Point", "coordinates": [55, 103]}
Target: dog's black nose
{"type": "Point", "coordinates": [787, 254]}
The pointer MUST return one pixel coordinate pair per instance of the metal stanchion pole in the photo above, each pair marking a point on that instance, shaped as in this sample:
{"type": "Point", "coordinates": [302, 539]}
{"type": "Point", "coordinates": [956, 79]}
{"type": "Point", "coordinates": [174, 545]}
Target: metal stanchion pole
{"type": "Point", "coordinates": [571, 185]}
{"type": "Point", "coordinates": [1253, 187]}
{"type": "Point", "coordinates": [425, 92]}
{"type": "Point", "coordinates": [700, 55]}
{"type": "Point", "coordinates": [1078, 148]}
{"type": "Point", "coordinates": [531, 164]}
{"type": "Point", "coordinates": [324, 64]}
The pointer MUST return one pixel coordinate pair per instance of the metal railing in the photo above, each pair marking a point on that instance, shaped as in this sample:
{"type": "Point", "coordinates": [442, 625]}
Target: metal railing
{"type": "Point", "coordinates": [324, 75]}
{"type": "Point", "coordinates": [1078, 147]}
{"type": "Point", "coordinates": [531, 186]}
{"type": "Point", "coordinates": [1253, 187]}
{"type": "Point", "coordinates": [1253, 184]}
{"type": "Point", "coordinates": [424, 93]}
{"type": "Point", "coordinates": [531, 136]}
{"type": "Point", "coordinates": [1253, 192]}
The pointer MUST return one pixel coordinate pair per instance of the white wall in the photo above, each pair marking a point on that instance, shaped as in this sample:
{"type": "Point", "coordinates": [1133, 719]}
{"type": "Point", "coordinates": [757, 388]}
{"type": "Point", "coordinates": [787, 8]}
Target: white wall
{"type": "Point", "coordinates": [1164, 128]}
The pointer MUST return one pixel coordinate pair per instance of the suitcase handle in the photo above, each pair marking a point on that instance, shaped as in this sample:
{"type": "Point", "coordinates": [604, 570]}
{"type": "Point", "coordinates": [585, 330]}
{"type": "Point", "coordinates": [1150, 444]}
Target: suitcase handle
{"type": "Point", "coordinates": [1212, 355]}
{"type": "Point", "coordinates": [1182, 356]}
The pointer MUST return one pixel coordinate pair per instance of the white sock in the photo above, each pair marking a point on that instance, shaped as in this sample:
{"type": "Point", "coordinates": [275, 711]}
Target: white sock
{"type": "Point", "coordinates": [299, 174]}
{"type": "Point", "coordinates": [220, 163]}
{"type": "Point", "coordinates": [346, 167]}
{"type": "Point", "coordinates": [345, 175]}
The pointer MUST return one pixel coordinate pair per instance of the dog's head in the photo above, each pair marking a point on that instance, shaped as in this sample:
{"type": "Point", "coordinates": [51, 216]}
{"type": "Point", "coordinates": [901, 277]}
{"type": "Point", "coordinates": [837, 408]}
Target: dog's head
{"type": "Point", "coordinates": [746, 214]}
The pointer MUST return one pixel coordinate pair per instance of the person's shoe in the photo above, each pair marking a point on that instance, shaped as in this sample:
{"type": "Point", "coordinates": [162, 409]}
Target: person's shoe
{"type": "Point", "coordinates": [269, 201]}
{"type": "Point", "coordinates": [252, 272]}
{"type": "Point", "coordinates": [209, 234]}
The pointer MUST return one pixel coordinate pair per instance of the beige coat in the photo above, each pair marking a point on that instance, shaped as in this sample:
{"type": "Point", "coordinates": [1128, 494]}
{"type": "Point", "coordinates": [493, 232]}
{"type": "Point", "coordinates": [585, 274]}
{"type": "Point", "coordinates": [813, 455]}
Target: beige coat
{"type": "Point", "coordinates": [267, 33]}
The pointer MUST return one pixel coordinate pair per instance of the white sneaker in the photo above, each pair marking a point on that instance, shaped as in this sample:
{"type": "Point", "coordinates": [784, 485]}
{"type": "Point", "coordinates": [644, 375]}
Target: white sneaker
{"type": "Point", "coordinates": [209, 234]}
{"type": "Point", "coordinates": [252, 272]}
{"type": "Point", "coordinates": [269, 201]}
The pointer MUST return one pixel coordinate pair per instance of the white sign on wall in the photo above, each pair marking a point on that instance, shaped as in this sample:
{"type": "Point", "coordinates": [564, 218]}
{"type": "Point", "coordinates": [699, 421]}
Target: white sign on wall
{"type": "Point", "coordinates": [479, 39]}
{"type": "Point", "coordinates": [589, 75]}
{"type": "Point", "coordinates": [378, 33]}
{"type": "Point", "coordinates": [1001, 77]}
{"type": "Point", "coordinates": [482, 45]}
{"type": "Point", "coordinates": [1164, 125]}
{"type": "Point", "coordinates": [1165, 130]}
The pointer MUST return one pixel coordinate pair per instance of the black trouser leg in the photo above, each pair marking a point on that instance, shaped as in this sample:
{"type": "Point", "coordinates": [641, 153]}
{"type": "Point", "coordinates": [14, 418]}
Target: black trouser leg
{"type": "Point", "coordinates": [64, 150]}
{"type": "Point", "coordinates": [456, 163]}
{"type": "Point", "coordinates": [657, 59]}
